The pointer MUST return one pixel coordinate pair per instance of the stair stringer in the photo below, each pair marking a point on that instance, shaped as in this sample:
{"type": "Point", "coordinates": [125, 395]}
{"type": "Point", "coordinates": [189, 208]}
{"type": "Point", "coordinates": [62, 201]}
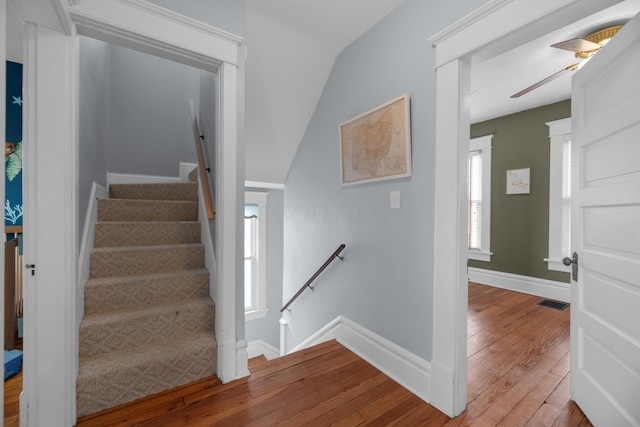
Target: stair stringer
{"type": "Point", "coordinates": [84, 264]}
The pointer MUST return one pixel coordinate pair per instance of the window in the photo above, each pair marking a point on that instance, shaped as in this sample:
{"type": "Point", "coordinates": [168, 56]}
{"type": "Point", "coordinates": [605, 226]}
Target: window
{"type": "Point", "coordinates": [559, 193]}
{"type": "Point", "coordinates": [480, 198]}
{"type": "Point", "coordinates": [255, 211]}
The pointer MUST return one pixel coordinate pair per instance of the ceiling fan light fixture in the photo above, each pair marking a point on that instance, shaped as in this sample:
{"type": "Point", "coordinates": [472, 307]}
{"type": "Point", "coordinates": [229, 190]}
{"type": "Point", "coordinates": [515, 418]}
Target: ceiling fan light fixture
{"type": "Point", "coordinates": [600, 37]}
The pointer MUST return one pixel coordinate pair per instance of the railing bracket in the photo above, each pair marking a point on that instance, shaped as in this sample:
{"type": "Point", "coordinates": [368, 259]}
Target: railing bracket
{"type": "Point", "coordinates": [341, 258]}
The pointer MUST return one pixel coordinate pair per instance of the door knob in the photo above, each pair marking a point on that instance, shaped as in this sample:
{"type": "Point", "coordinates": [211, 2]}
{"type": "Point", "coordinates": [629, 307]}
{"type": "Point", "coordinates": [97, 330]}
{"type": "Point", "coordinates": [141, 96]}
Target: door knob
{"type": "Point", "coordinates": [573, 262]}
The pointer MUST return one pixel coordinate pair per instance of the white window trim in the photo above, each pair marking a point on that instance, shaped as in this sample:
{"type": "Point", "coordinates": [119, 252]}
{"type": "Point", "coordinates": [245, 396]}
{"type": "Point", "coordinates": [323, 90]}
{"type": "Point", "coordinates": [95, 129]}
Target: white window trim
{"type": "Point", "coordinates": [260, 199]}
{"type": "Point", "coordinates": [559, 130]}
{"type": "Point", "coordinates": [483, 144]}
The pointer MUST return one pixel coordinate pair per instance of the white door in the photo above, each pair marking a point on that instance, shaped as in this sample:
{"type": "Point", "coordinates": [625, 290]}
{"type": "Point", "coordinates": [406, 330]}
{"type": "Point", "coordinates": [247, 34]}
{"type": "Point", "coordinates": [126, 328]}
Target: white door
{"type": "Point", "coordinates": [605, 298]}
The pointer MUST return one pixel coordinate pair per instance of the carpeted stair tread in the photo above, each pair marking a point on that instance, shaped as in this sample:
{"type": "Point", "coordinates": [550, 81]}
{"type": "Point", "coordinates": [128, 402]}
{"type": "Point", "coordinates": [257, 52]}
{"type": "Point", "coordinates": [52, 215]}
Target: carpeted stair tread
{"type": "Point", "coordinates": [119, 330]}
{"type": "Point", "coordinates": [105, 294]}
{"type": "Point", "coordinates": [149, 321]}
{"type": "Point", "coordinates": [119, 377]}
{"type": "Point", "coordinates": [136, 260]}
{"type": "Point", "coordinates": [155, 191]}
{"type": "Point", "coordinates": [146, 210]}
{"type": "Point", "coordinates": [112, 234]}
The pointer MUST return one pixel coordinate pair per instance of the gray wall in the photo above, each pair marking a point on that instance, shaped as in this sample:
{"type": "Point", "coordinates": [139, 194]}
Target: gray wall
{"type": "Point", "coordinates": [95, 118]}
{"type": "Point", "coordinates": [268, 329]}
{"type": "Point", "coordinates": [149, 113]}
{"type": "Point", "coordinates": [386, 281]}
{"type": "Point", "coordinates": [133, 115]}
{"type": "Point", "coordinates": [520, 223]}
{"type": "Point", "coordinates": [227, 15]}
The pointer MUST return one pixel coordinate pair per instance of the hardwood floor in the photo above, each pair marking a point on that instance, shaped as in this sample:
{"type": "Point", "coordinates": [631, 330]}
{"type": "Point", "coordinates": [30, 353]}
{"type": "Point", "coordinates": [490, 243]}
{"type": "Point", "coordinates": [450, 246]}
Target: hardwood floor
{"type": "Point", "coordinates": [12, 389]}
{"type": "Point", "coordinates": [320, 386]}
{"type": "Point", "coordinates": [518, 376]}
{"type": "Point", "coordinates": [518, 354]}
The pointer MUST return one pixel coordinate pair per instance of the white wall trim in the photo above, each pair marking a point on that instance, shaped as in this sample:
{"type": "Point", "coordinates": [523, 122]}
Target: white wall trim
{"type": "Point", "coordinates": [185, 169]}
{"type": "Point", "coordinates": [86, 245]}
{"type": "Point", "coordinates": [154, 9]}
{"type": "Point", "coordinates": [260, 348]}
{"type": "Point", "coordinates": [402, 366]}
{"type": "Point", "coordinates": [260, 184]}
{"type": "Point", "coordinates": [509, 25]}
{"type": "Point", "coordinates": [529, 285]}
{"type": "Point", "coordinates": [131, 178]}
{"type": "Point", "coordinates": [467, 21]}
{"type": "Point", "coordinates": [242, 357]}
{"type": "Point", "coordinates": [3, 78]}
{"type": "Point", "coordinates": [559, 132]}
{"type": "Point", "coordinates": [166, 34]}
{"type": "Point", "coordinates": [229, 200]}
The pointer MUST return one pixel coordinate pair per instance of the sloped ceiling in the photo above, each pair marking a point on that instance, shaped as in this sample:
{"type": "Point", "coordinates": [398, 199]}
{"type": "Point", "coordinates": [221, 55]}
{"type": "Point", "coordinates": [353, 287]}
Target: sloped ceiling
{"type": "Point", "coordinates": [291, 48]}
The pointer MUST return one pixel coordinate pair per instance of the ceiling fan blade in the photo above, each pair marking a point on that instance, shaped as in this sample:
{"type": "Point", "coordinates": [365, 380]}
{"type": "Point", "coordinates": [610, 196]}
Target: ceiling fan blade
{"type": "Point", "coordinates": [577, 45]}
{"type": "Point", "coordinates": [545, 81]}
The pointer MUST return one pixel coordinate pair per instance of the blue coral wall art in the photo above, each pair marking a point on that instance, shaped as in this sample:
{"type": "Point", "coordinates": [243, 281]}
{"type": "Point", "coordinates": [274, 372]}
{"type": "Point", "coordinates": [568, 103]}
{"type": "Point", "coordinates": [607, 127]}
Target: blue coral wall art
{"type": "Point", "coordinates": [13, 145]}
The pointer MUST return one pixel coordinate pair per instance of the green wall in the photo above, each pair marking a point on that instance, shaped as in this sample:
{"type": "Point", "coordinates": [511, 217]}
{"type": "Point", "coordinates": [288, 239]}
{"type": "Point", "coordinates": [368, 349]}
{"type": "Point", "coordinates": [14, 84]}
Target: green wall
{"type": "Point", "coordinates": [520, 223]}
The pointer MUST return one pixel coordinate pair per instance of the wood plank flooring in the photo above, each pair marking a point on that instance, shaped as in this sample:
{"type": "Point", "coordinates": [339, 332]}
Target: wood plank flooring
{"type": "Point", "coordinates": [518, 376]}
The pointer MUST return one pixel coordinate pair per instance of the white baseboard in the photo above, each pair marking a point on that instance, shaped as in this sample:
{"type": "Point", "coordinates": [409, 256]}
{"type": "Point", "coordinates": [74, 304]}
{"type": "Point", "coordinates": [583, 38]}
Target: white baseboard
{"type": "Point", "coordinates": [260, 348]}
{"type": "Point", "coordinates": [86, 245]}
{"type": "Point", "coordinates": [130, 178]}
{"type": "Point", "coordinates": [404, 367]}
{"type": "Point", "coordinates": [185, 170]}
{"type": "Point", "coordinates": [529, 285]}
{"type": "Point", "coordinates": [242, 360]}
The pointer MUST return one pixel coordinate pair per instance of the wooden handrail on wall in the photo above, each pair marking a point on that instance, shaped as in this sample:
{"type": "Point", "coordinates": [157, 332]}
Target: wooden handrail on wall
{"type": "Point", "coordinates": [202, 169]}
{"type": "Point", "coordinates": [333, 256]}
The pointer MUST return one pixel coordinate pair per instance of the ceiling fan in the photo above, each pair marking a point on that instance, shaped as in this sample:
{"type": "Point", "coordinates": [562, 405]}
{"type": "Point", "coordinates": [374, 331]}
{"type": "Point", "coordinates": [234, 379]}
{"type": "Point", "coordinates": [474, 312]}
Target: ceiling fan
{"type": "Point", "coordinates": [583, 48]}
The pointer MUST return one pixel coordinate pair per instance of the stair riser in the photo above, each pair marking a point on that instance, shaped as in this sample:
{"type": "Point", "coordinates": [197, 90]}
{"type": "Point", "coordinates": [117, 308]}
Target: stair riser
{"type": "Point", "coordinates": [146, 210]}
{"type": "Point", "coordinates": [103, 388]}
{"type": "Point", "coordinates": [108, 262]}
{"type": "Point", "coordinates": [105, 295]}
{"type": "Point", "coordinates": [130, 332]}
{"type": "Point", "coordinates": [149, 323]}
{"type": "Point", "coordinates": [119, 234]}
{"type": "Point", "coordinates": [166, 191]}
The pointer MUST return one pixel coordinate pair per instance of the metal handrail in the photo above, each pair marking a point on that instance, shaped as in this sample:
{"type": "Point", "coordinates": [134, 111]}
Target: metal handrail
{"type": "Point", "coordinates": [333, 256]}
{"type": "Point", "coordinates": [202, 169]}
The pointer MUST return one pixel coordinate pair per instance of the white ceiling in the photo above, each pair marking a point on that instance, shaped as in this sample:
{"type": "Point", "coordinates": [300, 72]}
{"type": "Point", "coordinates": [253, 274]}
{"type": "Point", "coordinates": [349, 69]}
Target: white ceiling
{"type": "Point", "coordinates": [495, 80]}
{"type": "Point", "coordinates": [292, 46]}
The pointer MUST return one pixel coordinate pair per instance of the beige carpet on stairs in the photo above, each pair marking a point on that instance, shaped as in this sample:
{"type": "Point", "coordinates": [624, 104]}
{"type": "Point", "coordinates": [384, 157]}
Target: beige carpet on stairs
{"type": "Point", "coordinates": [149, 320]}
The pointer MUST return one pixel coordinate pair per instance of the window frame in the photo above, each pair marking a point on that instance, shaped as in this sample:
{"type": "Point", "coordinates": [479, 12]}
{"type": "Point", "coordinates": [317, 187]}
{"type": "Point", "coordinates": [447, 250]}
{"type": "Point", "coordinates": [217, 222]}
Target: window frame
{"type": "Point", "coordinates": [483, 144]}
{"type": "Point", "coordinates": [259, 285]}
{"type": "Point", "coordinates": [559, 131]}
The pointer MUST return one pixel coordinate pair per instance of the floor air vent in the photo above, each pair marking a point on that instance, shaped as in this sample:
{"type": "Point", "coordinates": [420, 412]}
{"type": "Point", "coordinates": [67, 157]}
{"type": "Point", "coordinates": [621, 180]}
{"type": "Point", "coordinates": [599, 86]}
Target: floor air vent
{"type": "Point", "coordinates": [557, 305]}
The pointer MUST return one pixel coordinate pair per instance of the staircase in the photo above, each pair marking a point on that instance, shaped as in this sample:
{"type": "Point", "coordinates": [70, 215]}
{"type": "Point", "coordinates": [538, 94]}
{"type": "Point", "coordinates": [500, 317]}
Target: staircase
{"type": "Point", "coordinates": [149, 320]}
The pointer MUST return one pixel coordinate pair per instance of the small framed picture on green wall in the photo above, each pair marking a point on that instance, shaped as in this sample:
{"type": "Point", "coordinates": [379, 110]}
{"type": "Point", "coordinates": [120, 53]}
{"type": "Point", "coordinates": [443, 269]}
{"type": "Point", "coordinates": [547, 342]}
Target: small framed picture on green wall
{"type": "Point", "coordinates": [518, 181]}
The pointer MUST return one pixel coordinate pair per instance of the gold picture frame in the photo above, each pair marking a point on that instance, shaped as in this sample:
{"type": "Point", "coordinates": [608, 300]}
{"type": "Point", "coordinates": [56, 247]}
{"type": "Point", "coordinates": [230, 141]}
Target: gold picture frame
{"type": "Point", "coordinates": [376, 145]}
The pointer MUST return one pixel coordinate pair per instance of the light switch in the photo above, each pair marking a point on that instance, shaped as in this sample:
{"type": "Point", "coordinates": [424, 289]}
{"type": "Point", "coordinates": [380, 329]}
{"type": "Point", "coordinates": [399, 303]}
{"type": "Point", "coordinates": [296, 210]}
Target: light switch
{"type": "Point", "coordinates": [394, 200]}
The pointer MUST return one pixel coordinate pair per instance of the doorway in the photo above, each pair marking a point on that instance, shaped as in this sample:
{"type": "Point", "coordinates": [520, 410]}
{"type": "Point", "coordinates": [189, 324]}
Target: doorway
{"type": "Point", "coordinates": [470, 40]}
{"type": "Point", "coordinates": [12, 189]}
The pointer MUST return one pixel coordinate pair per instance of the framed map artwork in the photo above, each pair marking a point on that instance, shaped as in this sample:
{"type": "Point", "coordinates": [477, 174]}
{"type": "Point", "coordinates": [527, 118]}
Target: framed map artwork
{"type": "Point", "coordinates": [376, 145]}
